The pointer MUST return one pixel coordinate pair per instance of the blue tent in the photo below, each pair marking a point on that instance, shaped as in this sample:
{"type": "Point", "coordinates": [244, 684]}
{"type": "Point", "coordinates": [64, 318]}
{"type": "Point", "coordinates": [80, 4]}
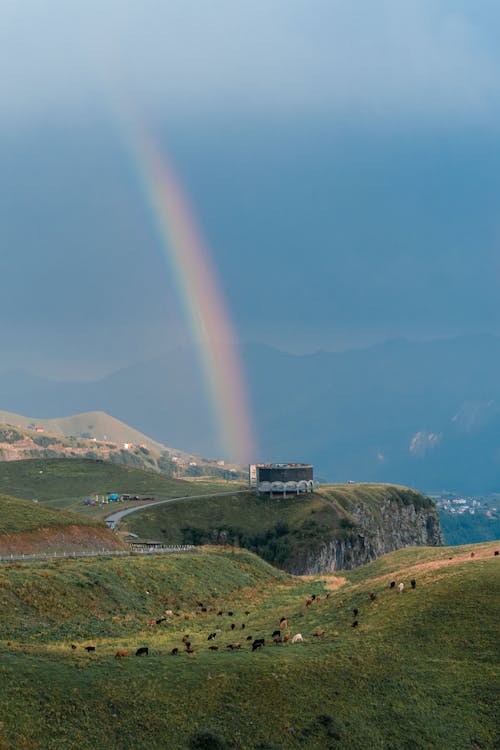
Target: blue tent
{"type": "Point", "coordinates": [113, 496]}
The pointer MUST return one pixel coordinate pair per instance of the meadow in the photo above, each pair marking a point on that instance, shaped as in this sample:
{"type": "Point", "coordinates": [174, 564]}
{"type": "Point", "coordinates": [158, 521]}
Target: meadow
{"type": "Point", "coordinates": [419, 671]}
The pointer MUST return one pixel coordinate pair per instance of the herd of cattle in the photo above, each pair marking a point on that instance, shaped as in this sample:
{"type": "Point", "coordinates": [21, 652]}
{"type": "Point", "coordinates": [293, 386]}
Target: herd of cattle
{"type": "Point", "coordinates": [281, 635]}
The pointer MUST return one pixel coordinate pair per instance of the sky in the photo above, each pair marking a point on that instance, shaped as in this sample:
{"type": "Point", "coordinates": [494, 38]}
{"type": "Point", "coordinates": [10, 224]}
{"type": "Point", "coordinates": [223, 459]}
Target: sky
{"type": "Point", "coordinates": [341, 161]}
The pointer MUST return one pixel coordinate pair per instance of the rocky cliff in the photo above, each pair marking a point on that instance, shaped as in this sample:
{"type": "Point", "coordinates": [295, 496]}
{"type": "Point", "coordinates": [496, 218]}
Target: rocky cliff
{"type": "Point", "coordinates": [404, 518]}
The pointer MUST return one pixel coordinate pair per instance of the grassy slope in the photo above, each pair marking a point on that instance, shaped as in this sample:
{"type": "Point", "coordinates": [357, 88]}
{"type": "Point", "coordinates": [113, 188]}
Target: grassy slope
{"type": "Point", "coordinates": [18, 517]}
{"type": "Point", "coordinates": [279, 529]}
{"type": "Point", "coordinates": [419, 671]}
{"type": "Point", "coordinates": [65, 483]}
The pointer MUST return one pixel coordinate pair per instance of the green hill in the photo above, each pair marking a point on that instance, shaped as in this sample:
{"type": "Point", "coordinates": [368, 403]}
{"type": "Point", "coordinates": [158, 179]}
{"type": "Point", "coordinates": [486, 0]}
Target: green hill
{"type": "Point", "coordinates": [419, 671]}
{"type": "Point", "coordinates": [28, 527]}
{"type": "Point", "coordinates": [339, 525]}
{"type": "Point", "coordinates": [65, 483]}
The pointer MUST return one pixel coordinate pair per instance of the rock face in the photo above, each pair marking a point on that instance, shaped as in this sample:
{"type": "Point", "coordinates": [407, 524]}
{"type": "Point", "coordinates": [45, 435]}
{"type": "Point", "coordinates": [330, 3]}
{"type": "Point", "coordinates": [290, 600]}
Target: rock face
{"type": "Point", "coordinates": [391, 526]}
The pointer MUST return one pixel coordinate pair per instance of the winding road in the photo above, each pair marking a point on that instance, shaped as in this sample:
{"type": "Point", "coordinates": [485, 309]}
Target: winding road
{"type": "Point", "coordinates": [113, 520]}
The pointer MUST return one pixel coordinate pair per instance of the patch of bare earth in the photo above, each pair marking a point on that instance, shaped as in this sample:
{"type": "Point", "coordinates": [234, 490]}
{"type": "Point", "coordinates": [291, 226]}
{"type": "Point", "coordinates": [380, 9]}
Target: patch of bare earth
{"type": "Point", "coordinates": [331, 582]}
{"type": "Point", "coordinates": [63, 539]}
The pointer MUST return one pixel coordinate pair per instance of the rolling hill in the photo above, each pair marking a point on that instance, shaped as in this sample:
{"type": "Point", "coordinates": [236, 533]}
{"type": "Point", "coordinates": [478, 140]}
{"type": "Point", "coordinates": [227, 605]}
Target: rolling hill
{"type": "Point", "coordinates": [97, 435]}
{"type": "Point", "coordinates": [27, 528]}
{"type": "Point", "coordinates": [419, 671]}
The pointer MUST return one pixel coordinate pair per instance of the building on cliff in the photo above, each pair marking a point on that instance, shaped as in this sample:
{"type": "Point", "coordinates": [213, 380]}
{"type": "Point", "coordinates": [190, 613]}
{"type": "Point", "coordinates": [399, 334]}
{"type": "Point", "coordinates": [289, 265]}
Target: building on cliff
{"type": "Point", "coordinates": [282, 479]}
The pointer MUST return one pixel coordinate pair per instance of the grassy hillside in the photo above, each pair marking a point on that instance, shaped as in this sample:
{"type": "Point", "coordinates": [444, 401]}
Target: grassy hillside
{"type": "Point", "coordinates": [420, 671]}
{"type": "Point", "coordinates": [18, 517]}
{"type": "Point", "coordinates": [281, 530]}
{"type": "Point", "coordinates": [65, 483]}
{"type": "Point", "coordinates": [30, 528]}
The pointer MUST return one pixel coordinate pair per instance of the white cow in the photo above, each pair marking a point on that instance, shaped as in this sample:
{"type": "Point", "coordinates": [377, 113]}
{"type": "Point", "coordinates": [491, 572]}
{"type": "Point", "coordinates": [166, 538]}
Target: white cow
{"type": "Point", "coordinates": [297, 637]}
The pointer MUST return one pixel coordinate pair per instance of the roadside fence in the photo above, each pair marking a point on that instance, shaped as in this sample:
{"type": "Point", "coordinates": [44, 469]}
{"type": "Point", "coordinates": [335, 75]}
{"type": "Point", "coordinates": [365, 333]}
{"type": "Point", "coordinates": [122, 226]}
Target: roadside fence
{"type": "Point", "coordinates": [137, 550]}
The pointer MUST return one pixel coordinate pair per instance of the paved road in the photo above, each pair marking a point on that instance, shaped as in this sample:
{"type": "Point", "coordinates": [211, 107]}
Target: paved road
{"type": "Point", "coordinates": [114, 518]}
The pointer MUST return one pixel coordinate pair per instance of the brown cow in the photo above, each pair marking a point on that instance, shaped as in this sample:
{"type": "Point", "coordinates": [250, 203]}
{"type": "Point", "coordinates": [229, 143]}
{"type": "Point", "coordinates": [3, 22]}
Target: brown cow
{"type": "Point", "coordinates": [318, 633]}
{"type": "Point", "coordinates": [121, 653]}
{"type": "Point", "coordinates": [234, 646]}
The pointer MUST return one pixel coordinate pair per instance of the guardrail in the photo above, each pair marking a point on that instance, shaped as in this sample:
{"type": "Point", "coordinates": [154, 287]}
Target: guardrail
{"type": "Point", "coordinates": [99, 553]}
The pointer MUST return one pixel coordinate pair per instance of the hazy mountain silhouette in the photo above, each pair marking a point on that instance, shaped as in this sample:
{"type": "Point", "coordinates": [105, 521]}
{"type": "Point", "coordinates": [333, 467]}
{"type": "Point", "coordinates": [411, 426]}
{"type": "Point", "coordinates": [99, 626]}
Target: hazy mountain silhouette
{"type": "Point", "coordinates": [425, 414]}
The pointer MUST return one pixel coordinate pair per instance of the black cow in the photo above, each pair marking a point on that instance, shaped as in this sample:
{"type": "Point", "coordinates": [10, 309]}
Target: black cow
{"type": "Point", "coordinates": [392, 584]}
{"type": "Point", "coordinates": [258, 643]}
{"type": "Point", "coordinates": [355, 624]}
{"type": "Point", "coordinates": [373, 596]}
{"type": "Point", "coordinates": [211, 636]}
{"type": "Point", "coordinates": [355, 612]}
{"type": "Point", "coordinates": [142, 651]}
{"type": "Point", "coordinates": [229, 614]}
{"type": "Point", "coordinates": [161, 619]}
{"type": "Point", "coordinates": [275, 633]}
{"type": "Point", "coordinates": [89, 648]}
{"type": "Point", "coordinates": [233, 626]}
{"type": "Point", "coordinates": [174, 651]}
{"type": "Point", "coordinates": [413, 583]}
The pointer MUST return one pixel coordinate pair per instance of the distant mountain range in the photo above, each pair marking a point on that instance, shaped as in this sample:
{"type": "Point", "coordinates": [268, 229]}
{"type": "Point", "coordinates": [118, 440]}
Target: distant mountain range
{"type": "Point", "coordinates": [422, 414]}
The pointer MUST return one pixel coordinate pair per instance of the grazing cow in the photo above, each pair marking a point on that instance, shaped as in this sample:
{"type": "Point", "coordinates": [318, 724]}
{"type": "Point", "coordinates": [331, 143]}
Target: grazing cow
{"type": "Point", "coordinates": [355, 612]}
{"type": "Point", "coordinates": [286, 637]}
{"type": "Point", "coordinates": [174, 651]}
{"type": "Point", "coordinates": [355, 624]}
{"type": "Point", "coordinates": [211, 636]}
{"type": "Point", "coordinates": [186, 638]}
{"type": "Point", "coordinates": [319, 633]}
{"type": "Point", "coordinates": [496, 553]}
{"type": "Point", "coordinates": [313, 596]}
{"type": "Point", "coordinates": [200, 604]}
{"type": "Point", "coordinates": [233, 626]}
{"type": "Point", "coordinates": [249, 637]}
{"type": "Point", "coordinates": [213, 648]}
{"type": "Point", "coordinates": [142, 651]}
{"type": "Point", "coordinates": [229, 614]}
{"type": "Point", "coordinates": [203, 609]}
{"type": "Point", "coordinates": [275, 632]}
{"type": "Point", "coordinates": [88, 649]}
{"type": "Point", "coordinates": [159, 620]}
{"type": "Point", "coordinates": [243, 626]}
{"type": "Point", "coordinates": [168, 612]}
{"type": "Point", "coordinates": [392, 584]}
{"type": "Point", "coordinates": [152, 623]}
{"type": "Point", "coordinates": [258, 643]}
{"type": "Point", "coordinates": [297, 637]}
{"type": "Point", "coordinates": [219, 613]}
{"type": "Point", "coordinates": [121, 653]}
{"type": "Point", "coordinates": [234, 646]}
{"type": "Point", "coordinates": [283, 624]}
{"type": "Point", "coordinates": [247, 612]}
{"type": "Point", "coordinates": [309, 602]}
{"type": "Point", "coordinates": [373, 596]}
{"type": "Point", "coordinates": [401, 587]}
{"type": "Point", "coordinates": [277, 640]}
{"type": "Point", "coordinates": [186, 617]}
{"type": "Point", "coordinates": [413, 583]}
{"type": "Point", "coordinates": [73, 646]}
{"type": "Point", "coordinates": [472, 554]}
{"type": "Point", "coordinates": [188, 645]}
{"type": "Point", "coordinates": [341, 604]}
{"type": "Point", "coordinates": [189, 650]}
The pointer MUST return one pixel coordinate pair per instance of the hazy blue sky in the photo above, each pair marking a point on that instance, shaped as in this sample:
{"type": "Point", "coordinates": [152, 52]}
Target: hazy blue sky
{"type": "Point", "coordinates": [342, 159]}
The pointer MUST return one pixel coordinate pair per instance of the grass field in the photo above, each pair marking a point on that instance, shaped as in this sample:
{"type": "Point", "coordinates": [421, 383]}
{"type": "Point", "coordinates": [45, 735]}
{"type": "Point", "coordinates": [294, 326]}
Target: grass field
{"type": "Point", "coordinates": [65, 483]}
{"type": "Point", "coordinates": [420, 671]}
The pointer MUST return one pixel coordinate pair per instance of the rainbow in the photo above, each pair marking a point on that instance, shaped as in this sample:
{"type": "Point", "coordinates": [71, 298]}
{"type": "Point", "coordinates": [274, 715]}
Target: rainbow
{"type": "Point", "coordinates": [203, 302]}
